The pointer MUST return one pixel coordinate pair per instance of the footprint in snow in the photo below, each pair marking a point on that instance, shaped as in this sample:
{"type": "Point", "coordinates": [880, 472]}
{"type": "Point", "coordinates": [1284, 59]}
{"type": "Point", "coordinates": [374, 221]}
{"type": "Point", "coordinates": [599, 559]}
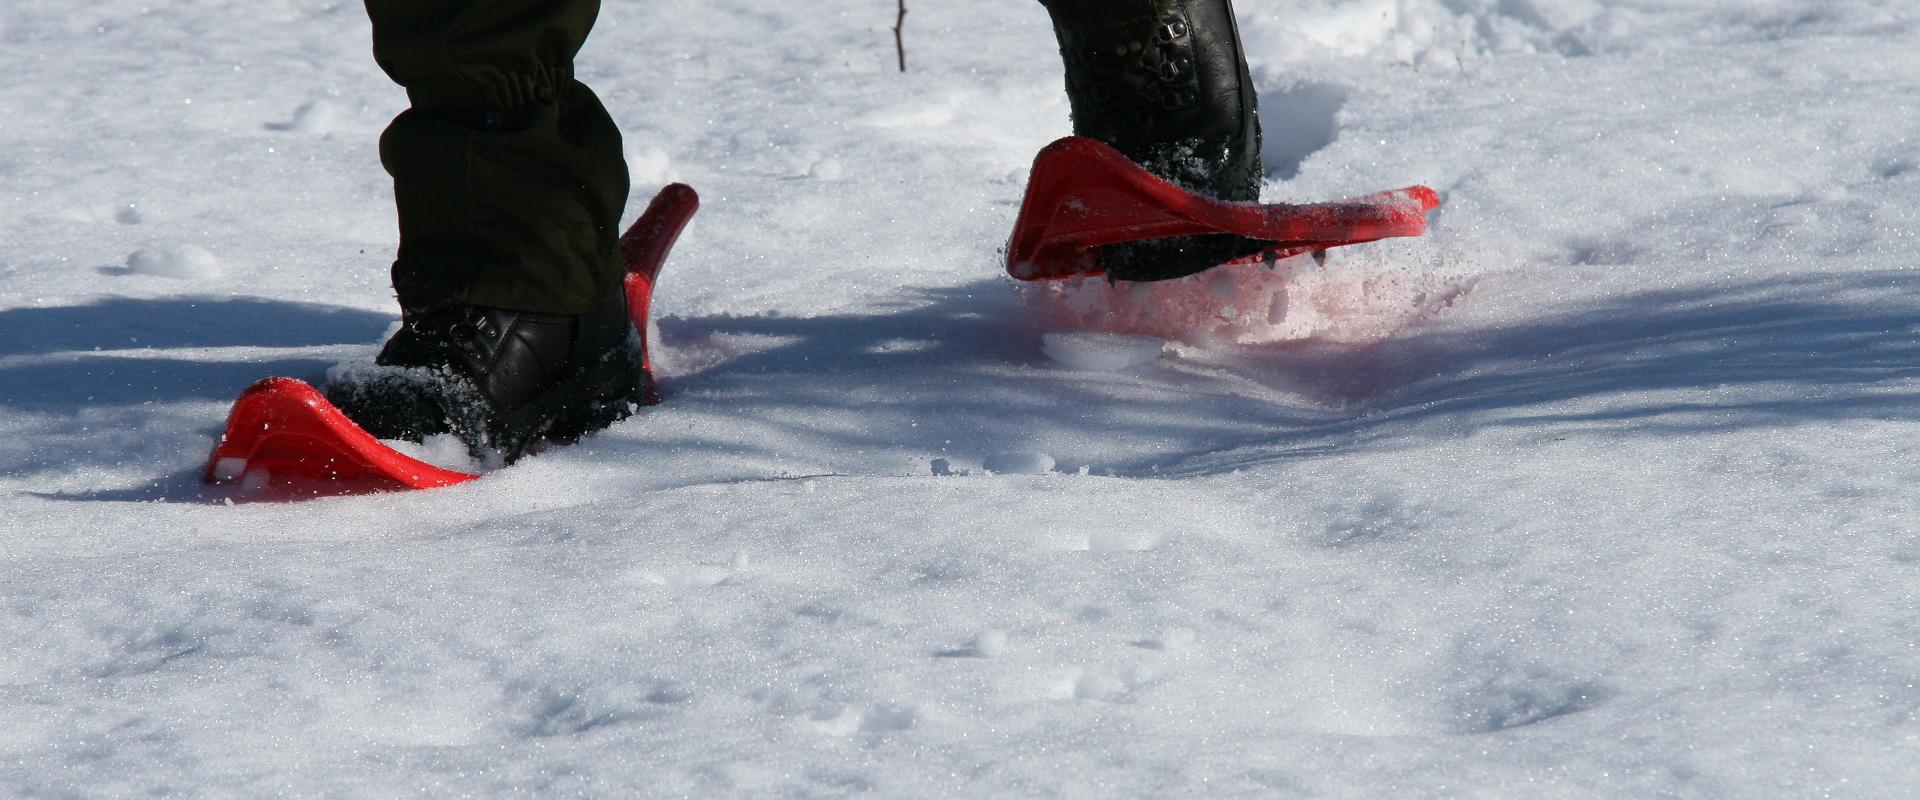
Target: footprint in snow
{"type": "Point", "coordinates": [1504, 702]}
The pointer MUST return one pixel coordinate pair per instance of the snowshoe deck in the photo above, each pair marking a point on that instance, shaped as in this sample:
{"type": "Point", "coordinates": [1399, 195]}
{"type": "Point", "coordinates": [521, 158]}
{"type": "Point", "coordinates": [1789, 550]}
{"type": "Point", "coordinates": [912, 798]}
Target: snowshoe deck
{"type": "Point", "coordinates": [1082, 194]}
{"type": "Point", "coordinates": [282, 429]}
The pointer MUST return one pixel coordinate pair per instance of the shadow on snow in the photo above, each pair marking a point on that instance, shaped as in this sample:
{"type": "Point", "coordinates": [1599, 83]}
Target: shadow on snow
{"type": "Point", "coordinates": [962, 365]}
{"type": "Point", "coordinates": [1773, 352]}
{"type": "Point", "coordinates": [155, 326]}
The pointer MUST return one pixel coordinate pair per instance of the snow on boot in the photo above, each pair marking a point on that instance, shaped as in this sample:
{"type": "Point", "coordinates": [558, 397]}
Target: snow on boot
{"type": "Point", "coordinates": [1165, 83]}
{"type": "Point", "coordinates": [500, 380]}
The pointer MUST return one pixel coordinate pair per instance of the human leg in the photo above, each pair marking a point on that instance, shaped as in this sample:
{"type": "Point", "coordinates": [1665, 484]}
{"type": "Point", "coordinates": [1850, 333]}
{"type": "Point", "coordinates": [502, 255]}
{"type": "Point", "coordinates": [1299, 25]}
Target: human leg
{"type": "Point", "coordinates": [510, 181]}
{"type": "Point", "coordinates": [508, 173]}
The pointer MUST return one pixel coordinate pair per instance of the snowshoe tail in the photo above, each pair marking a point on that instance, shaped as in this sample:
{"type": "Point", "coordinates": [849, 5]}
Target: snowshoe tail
{"type": "Point", "coordinates": [283, 430]}
{"type": "Point", "coordinates": [644, 249]}
{"type": "Point", "coordinates": [1082, 194]}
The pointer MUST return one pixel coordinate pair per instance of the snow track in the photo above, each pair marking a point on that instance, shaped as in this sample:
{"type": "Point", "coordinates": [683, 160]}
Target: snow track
{"type": "Point", "coordinates": [1603, 489]}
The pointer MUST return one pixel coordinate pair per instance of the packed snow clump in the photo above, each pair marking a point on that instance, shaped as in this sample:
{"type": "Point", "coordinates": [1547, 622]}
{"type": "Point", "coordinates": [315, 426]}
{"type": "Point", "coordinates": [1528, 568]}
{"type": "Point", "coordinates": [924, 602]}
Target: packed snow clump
{"type": "Point", "coordinates": [1019, 462]}
{"type": "Point", "coordinates": [650, 166]}
{"type": "Point", "coordinates": [1092, 351]}
{"type": "Point", "coordinates": [175, 261]}
{"type": "Point", "coordinates": [316, 118]}
{"type": "Point", "coordinates": [443, 450]}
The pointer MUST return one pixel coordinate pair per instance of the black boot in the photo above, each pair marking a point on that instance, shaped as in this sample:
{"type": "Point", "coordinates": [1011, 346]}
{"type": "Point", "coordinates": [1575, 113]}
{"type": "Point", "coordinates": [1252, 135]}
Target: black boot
{"type": "Point", "coordinates": [500, 380]}
{"type": "Point", "coordinates": [1165, 83]}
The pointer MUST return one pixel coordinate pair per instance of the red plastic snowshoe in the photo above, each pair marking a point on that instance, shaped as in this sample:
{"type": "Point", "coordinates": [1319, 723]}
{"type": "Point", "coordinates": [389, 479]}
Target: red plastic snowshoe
{"type": "Point", "coordinates": [1082, 194]}
{"type": "Point", "coordinates": [282, 430]}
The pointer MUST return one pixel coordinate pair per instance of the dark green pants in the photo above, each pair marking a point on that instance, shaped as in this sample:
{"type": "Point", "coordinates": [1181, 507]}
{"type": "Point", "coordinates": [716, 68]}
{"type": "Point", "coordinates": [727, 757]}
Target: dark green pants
{"type": "Point", "coordinates": [508, 173]}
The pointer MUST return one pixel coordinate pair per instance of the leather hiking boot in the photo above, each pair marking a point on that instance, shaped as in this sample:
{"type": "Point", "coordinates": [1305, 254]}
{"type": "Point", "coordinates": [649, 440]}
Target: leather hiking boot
{"type": "Point", "coordinates": [1165, 83]}
{"type": "Point", "coordinates": [500, 380]}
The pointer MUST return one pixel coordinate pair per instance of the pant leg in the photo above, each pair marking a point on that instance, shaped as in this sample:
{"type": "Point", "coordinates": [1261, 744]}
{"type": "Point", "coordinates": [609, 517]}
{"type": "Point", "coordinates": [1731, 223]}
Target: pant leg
{"type": "Point", "coordinates": [507, 172]}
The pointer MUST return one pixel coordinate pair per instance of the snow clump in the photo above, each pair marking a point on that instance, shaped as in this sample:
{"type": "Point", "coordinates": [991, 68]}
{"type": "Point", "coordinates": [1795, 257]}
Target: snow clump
{"type": "Point", "coordinates": [1092, 351]}
{"type": "Point", "coordinates": [316, 118]}
{"type": "Point", "coordinates": [175, 261]}
{"type": "Point", "coordinates": [1019, 463]}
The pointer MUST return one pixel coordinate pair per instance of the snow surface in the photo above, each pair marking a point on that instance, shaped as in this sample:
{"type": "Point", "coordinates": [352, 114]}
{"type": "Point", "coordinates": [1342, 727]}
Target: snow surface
{"type": "Point", "coordinates": [1606, 488]}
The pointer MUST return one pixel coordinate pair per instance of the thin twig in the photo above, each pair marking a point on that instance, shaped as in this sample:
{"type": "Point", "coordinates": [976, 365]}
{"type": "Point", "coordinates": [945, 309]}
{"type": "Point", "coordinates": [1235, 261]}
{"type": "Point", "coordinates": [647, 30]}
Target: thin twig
{"type": "Point", "coordinates": [899, 42]}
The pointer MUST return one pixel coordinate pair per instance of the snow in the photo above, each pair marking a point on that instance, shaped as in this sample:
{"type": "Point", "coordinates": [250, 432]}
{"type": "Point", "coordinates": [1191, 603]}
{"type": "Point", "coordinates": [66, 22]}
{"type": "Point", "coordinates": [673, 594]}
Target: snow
{"type": "Point", "coordinates": [1019, 462]}
{"type": "Point", "coordinates": [176, 261]}
{"type": "Point", "coordinates": [314, 118]}
{"type": "Point", "coordinates": [1095, 351]}
{"type": "Point", "coordinates": [1604, 488]}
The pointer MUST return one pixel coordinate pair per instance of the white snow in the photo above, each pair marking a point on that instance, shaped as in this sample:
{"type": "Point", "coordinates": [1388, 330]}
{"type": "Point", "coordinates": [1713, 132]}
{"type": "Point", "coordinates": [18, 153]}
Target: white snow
{"type": "Point", "coordinates": [1019, 462]}
{"type": "Point", "coordinates": [315, 118]}
{"type": "Point", "coordinates": [1094, 351]}
{"type": "Point", "coordinates": [175, 261]}
{"type": "Point", "coordinates": [1605, 488]}
{"type": "Point", "coordinates": [443, 450]}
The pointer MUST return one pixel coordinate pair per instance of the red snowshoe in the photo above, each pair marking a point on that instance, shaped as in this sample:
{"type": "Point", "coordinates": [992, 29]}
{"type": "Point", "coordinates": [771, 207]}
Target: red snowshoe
{"type": "Point", "coordinates": [282, 430]}
{"type": "Point", "coordinates": [1082, 195]}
